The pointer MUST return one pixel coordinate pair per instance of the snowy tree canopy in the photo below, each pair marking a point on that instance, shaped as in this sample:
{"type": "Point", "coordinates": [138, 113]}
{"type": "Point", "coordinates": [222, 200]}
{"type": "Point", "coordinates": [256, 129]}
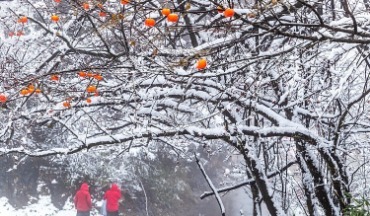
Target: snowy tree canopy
{"type": "Point", "coordinates": [285, 86]}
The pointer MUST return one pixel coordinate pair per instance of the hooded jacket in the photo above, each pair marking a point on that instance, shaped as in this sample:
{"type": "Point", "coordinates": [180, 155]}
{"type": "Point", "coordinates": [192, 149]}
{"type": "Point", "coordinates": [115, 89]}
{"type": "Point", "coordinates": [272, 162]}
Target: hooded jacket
{"type": "Point", "coordinates": [112, 196]}
{"type": "Point", "coordinates": [82, 199]}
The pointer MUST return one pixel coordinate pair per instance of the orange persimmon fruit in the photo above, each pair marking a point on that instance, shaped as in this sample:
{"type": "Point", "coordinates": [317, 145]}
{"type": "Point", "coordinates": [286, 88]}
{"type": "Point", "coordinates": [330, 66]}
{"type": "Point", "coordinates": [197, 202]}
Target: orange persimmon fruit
{"type": "Point", "coordinates": [67, 104]}
{"type": "Point", "coordinates": [166, 11]}
{"type": "Point", "coordinates": [86, 6]}
{"type": "Point", "coordinates": [54, 18]}
{"type": "Point", "coordinates": [229, 12]}
{"type": "Point", "coordinates": [23, 19]}
{"type": "Point", "coordinates": [149, 22]}
{"type": "Point", "coordinates": [24, 92]}
{"type": "Point", "coordinates": [98, 77]}
{"type": "Point", "coordinates": [91, 89]}
{"type": "Point", "coordinates": [82, 74]}
{"type": "Point", "coordinates": [31, 88]}
{"type": "Point", "coordinates": [172, 17]}
{"type": "Point", "coordinates": [201, 64]}
{"type": "Point", "coordinates": [54, 77]}
{"type": "Point", "coordinates": [3, 98]}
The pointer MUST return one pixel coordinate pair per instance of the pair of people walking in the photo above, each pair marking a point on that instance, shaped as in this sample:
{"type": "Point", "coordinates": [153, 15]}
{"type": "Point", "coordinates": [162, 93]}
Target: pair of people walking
{"type": "Point", "coordinates": [83, 204]}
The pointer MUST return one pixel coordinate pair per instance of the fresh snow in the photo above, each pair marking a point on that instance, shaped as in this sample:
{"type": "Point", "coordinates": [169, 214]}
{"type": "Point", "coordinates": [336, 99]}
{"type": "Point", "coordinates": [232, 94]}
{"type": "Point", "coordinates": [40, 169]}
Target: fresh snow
{"type": "Point", "coordinates": [43, 207]}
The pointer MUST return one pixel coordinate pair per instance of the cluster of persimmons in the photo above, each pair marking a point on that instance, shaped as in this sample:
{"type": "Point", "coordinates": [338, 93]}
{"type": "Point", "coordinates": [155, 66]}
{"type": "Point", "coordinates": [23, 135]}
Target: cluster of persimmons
{"type": "Point", "coordinates": [171, 17]}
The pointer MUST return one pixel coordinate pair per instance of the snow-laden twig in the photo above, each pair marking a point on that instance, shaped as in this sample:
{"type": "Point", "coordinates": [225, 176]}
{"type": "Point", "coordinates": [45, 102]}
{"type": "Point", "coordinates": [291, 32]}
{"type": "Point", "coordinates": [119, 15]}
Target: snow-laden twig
{"type": "Point", "coordinates": [218, 198]}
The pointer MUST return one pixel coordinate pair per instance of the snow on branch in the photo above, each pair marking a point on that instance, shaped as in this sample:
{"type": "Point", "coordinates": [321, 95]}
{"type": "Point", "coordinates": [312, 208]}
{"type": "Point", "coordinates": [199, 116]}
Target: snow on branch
{"type": "Point", "coordinates": [246, 182]}
{"type": "Point", "coordinates": [198, 132]}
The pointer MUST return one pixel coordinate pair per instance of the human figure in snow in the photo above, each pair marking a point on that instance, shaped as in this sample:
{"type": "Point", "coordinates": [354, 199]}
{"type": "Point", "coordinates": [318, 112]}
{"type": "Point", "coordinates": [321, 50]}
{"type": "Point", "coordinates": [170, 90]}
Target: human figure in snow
{"type": "Point", "coordinates": [112, 196]}
{"type": "Point", "coordinates": [82, 201]}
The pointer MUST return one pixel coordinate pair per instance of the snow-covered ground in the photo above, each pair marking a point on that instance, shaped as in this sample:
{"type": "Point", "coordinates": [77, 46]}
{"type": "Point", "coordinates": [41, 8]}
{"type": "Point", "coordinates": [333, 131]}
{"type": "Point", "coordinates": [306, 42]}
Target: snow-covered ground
{"type": "Point", "coordinates": [43, 207]}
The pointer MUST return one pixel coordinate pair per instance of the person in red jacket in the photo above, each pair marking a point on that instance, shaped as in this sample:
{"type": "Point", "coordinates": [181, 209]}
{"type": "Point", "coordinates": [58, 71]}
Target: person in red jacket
{"type": "Point", "coordinates": [82, 201]}
{"type": "Point", "coordinates": [112, 197]}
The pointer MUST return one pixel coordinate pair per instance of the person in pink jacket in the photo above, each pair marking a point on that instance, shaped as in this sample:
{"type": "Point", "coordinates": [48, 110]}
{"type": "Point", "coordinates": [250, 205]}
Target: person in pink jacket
{"type": "Point", "coordinates": [112, 196]}
{"type": "Point", "coordinates": [82, 201]}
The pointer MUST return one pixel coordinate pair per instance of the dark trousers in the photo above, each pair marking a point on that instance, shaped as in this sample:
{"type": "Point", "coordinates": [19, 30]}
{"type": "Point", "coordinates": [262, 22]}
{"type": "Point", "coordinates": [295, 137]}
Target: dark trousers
{"type": "Point", "coordinates": [80, 213]}
{"type": "Point", "coordinates": [112, 213]}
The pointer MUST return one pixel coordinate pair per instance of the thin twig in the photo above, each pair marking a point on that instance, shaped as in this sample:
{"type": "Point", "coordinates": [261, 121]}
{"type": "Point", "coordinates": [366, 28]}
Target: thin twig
{"type": "Point", "coordinates": [218, 198]}
{"type": "Point", "coordinates": [146, 198]}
